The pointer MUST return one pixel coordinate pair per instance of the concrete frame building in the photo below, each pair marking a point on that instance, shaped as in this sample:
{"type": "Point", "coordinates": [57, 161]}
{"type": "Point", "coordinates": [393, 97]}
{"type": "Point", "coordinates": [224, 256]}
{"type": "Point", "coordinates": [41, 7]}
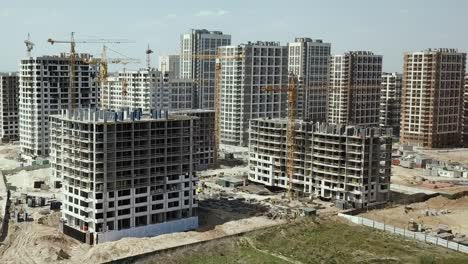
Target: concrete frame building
{"type": "Point", "coordinates": [432, 98]}
{"type": "Point", "coordinates": [44, 91]}
{"type": "Point", "coordinates": [125, 174]}
{"type": "Point", "coordinates": [309, 60]}
{"type": "Point", "coordinates": [336, 162]}
{"type": "Point", "coordinates": [170, 64]}
{"type": "Point", "coordinates": [355, 85]}
{"type": "Point", "coordinates": [243, 80]}
{"type": "Point", "coordinates": [465, 114]}
{"type": "Point", "coordinates": [197, 62]}
{"type": "Point", "coordinates": [390, 105]}
{"type": "Point", "coordinates": [9, 109]}
{"type": "Point", "coordinates": [205, 151]}
{"type": "Point", "coordinates": [146, 90]}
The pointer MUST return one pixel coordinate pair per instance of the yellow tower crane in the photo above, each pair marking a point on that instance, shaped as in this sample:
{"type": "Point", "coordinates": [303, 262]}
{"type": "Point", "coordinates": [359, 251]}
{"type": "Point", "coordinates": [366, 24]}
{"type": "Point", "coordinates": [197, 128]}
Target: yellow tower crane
{"type": "Point", "coordinates": [103, 63]}
{"type": "Point", "coordinates": [73, 58]}
{"type": "Point", "coordinates": [217, 93]}
{"type": "Point", "coordinates": [291, 89]}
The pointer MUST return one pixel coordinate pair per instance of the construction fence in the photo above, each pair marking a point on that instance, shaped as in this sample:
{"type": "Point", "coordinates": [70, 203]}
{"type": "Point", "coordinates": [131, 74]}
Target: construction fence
{"type": "Point", "coordinates": [406, 233]}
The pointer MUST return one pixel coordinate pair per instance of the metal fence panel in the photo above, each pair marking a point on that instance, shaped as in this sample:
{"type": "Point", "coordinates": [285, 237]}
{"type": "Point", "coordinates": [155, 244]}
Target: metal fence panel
{"type": "Point", "coordinates": [406, 233]}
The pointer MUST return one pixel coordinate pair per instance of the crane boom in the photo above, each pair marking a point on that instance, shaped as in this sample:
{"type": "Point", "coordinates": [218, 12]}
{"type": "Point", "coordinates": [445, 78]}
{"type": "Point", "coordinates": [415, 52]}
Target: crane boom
{"type": "Point", "coordinates": [73, 56]}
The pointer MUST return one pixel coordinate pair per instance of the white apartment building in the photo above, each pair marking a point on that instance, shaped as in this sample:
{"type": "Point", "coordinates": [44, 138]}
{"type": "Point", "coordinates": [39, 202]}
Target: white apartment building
{"type": "Point", "coordinates": [170, 64]}
{"type": "Point", "coordinates": [343, 163]}
{"type": "Point", "coordinates": [9, 100]}
{"type": "Point", "coordinates": [125, 174]}
{"type": "Point", "coordinates": [243, 82]}
{"type": "Point", "coordinates": [147, 89]}
{"type": "Point", "coordinates": [309, 60]}
{"type": "Point", "coordinates": [44, 91]}
{"type": "Point", "coordinates": [432, 98]}
{"type": "Point", "coordinates": [355, 86]}
{"type": "Point", "coordinates": [390, 102]}
{"type": "Point", "coordinates": [198, 62]}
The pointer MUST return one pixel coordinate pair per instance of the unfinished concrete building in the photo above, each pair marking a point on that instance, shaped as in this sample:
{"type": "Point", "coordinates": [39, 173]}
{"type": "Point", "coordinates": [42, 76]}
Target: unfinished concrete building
{"type": "Point", "coordinates": [125, 174]}
{"type": "Point", "coordinates": [170, 64]}
{"type": "Point", "coordinates": [350, 164]}
{"type": "Point", "coordinates": [465, 113]}
{"type": "Point", "coordinates": [44, 91]}
{"type": "Point", "coordinates": [243, 82]}
{"type": "Point", "coordinates": [9, 101]}
{"type": "Point", "coordinates": [197, 62]}
{"type": "Point", "coordinates": [390, 105]}
{"type": "Point", "coordinates": [432, 98]}
{"type": "Point", "coordinates": [354, 92]}
{"type": "Point", "coordinates": [147, 89]}
{"type": "Point", "coordinates": [309, 60]}
{"type": "Point", "coordinates": [206, 137]}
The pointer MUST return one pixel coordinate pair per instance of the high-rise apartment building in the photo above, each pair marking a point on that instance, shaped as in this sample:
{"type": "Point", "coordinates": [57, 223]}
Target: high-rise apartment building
{"type": "Point", "coordinates": [465, 114]}
{"type": "Point", "coordinates": [390, 105]}
{"type": "Point", "coordinates": [9, 100]}
{"type": "Point", "coordinates": [44, 91]}
{"type": "Point", "coordinates": [432, 98]}
{"type": "Point", "coordinates": [247, 70]}
{"type": "Point", "coordinates": [147, 89]}
{"type": "Point", "coordinates": [125, 174]}
{"type": "Point", "coordinates": [198, 62]}
{"type": "Point", "coordinates": [170, 64]}
{"type": "Point", "coordinates": [354, 91]}
{"type": "Point", "coordinates": [334, 162]}
{"type": "Point", "coordinates": [206, 137]}
{"type": "Point", "coordinates": [309, 60]}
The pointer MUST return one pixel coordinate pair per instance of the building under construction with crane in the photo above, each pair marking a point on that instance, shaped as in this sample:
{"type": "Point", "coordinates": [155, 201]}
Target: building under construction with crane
{"type": "Point", "coordinates": [246, 71]}
{"type": "Point", "coordinates": [44, 90]}
{"type": "Point", "coordinates": [346, 164]}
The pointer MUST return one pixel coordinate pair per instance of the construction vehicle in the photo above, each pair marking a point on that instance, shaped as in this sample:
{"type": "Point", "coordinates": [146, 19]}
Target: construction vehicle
{"type": "Point", "coordinates": [291, 89]}
{"type": "Point", "coordinates": [73, 58]}
{"type": "Point", "coordinates": [29, 45]}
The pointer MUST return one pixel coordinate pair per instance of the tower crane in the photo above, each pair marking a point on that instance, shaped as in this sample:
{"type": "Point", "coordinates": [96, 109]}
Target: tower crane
{"type": "Point", "coordinates": [103, 63]}
{"type": "Point", "coordinates": [217, 92]}
{"type": "Point", "coordinates": [291, 89]}
{"type": "Point", "coordinates": [29, 45]}
{"type": "Point", "coordinates": [73, 58]}
{"type": "Point", "coordinates": [148, 57]}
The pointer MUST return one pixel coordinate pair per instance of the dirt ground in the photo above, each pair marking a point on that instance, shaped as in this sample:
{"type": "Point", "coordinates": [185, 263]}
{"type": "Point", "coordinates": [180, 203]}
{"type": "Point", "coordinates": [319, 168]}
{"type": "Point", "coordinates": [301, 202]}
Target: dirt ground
{"type": "Point", "coordinates": [8, 153]}
{"type": "Point", "coordinates": [448, 155]}
{"type": "Point", "coordinates": [453, 213]}
{"type": "Point", "coordinates": [414, 178]}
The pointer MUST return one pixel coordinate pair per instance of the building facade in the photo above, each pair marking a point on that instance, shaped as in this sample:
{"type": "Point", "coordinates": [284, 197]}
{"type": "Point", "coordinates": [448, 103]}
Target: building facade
{"type": "Point", "coordinates": [170, 64]}
{"type": "Point", "coordinates": [309, 60]}
{"type": "Point", "coordinates": [354, 91]}
{"type": "Point", "coordinates": [390, 103]}
{"type": "Point", "coordinates": [125, 174]}
{"type": "Point", "coordinates": [147, 89]}
{"type": "Point", "coordinates": [198, 62]}
{"type": "Point", "coordinates": [465, 114]}
{"type": "Point", "coordinates": [432, 98]}
{"type": "Point", "coordinates": [206, 137]}
{"type": "Point", "coordinates": [334, 162]}
{"type": "Point", "coordinates": [9, 95]}
{"type": "Point", "coordinates": [44, 91]}
{"type": "Point", "coordinates": [247, 73]}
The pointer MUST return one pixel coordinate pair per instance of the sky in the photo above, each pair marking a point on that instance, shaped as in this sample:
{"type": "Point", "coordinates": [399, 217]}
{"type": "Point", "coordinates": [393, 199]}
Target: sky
{"type": "Point", "coordinates": [388, 28]}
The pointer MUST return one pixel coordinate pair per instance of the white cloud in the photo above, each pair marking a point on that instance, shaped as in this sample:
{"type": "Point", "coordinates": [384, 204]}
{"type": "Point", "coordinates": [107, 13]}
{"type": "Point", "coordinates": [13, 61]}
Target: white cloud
{"type": "Point", "coordinates": [171, 16]}
{"type": "Point", "coordinates": [404, 11]}
{"type": "Point", "coordinates": [219, 12]}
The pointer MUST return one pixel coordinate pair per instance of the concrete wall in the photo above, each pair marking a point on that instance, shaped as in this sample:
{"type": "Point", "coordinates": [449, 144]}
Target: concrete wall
{"type": "Point", "coordinates": [181, 225]}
